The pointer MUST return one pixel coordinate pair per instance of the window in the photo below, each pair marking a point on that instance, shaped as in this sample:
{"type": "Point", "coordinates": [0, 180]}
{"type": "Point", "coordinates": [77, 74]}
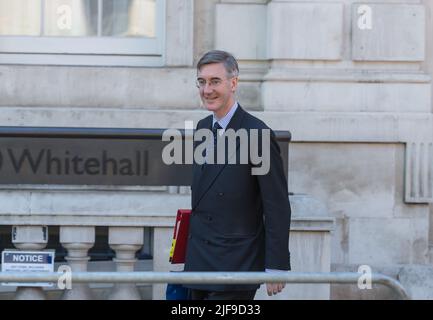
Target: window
{"type": "Point", "coordinates": [82, 30]}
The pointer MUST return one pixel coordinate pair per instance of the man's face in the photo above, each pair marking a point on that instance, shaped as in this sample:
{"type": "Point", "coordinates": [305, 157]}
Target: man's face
{"type": "Point", "coordinates": [217, 91]}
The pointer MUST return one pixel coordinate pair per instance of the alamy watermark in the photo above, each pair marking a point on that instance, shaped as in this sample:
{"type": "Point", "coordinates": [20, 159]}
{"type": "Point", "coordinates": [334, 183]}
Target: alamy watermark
{"type": "Point", "coordinates": [254, 147]}
{"type": "Point", "coordinates": [365, 19]}
{"type": "Point", "coordinates": [365, 279]}
{"type": "Point", "coordinates": [64, 20]}
{"type": "Point", "coordinates": [65, 280]}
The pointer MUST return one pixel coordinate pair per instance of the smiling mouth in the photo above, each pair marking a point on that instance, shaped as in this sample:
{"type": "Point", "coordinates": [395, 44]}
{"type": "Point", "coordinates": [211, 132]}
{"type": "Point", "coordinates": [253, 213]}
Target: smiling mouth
{"type": "Point", "coordinates": [210, 99]}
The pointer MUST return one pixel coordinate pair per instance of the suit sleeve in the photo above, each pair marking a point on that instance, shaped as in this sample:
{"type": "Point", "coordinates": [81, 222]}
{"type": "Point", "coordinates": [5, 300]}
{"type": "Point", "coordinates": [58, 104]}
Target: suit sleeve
{"type": "Point", "coordinates": [276, 210]}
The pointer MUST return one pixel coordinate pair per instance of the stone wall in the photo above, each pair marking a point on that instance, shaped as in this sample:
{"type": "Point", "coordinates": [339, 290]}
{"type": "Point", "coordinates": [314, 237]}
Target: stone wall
{"type": "Point", "coordinates": [357, 101]}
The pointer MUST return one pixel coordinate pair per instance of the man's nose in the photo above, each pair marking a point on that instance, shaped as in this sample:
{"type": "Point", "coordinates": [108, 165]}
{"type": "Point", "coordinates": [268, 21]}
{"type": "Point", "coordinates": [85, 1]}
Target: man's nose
{"type": "Point", "coordinates": [207, 88]}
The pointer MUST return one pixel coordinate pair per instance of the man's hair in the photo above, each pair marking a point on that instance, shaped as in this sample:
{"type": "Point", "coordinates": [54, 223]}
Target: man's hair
{"type": "Point", "coordinates": [218, 56]}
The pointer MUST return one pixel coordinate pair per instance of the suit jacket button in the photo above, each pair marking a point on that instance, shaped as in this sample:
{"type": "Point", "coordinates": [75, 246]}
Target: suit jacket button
{"type": "Point", "coordinates": [190, 237]}
{"type": "Point", "coordinates": [221, 194]}
{"type": "Point", "coordinates": [209, 218]}
{"type": "Point", "coordinates": [207, 241]}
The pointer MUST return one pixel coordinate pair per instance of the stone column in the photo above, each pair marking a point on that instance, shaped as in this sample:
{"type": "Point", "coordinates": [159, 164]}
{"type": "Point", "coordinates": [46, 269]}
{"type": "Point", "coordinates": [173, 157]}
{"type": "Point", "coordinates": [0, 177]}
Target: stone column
{"type": "Point", "coordinates": [162, 238]}
{"type": "Point", "coordinates": [125, 241]}
{"type": "Point", "coordinates": [30, 238]}
{"type": "Point", "coordinates": [78, 241]}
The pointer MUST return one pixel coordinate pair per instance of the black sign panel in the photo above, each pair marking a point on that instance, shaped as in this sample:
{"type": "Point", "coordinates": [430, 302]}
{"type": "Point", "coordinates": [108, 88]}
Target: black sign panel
{"type": "Point", "coordinates": [92, 156]}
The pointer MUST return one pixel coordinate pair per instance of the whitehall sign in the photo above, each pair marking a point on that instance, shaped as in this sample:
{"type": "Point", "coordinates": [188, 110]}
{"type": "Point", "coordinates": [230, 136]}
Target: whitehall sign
{"type": "Point", "coordinates": [93, 156]}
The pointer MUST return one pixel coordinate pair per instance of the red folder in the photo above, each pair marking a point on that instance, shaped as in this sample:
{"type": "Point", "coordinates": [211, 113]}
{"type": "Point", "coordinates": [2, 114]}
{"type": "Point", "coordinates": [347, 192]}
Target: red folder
{"type": "Point", "coordinates": [180, 237]}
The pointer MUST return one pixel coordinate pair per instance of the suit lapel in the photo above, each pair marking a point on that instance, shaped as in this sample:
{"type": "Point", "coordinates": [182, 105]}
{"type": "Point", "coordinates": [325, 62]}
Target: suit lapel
{"type": "Point", "coordinates": [205, 178]}
{"type": "Point", "coordinates": [198, 169]}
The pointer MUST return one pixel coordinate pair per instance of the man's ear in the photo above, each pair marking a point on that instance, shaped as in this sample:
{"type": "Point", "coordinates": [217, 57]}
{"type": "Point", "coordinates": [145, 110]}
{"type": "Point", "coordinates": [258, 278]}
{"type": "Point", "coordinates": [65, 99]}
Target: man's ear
{"type": "Point", "coordinates": [234, 83]}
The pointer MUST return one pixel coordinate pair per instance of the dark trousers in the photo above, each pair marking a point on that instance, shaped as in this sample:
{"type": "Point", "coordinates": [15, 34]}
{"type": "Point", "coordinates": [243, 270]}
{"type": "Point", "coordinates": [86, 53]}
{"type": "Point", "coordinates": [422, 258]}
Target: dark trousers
{"type": "Point", "coordinates": [222, 295]}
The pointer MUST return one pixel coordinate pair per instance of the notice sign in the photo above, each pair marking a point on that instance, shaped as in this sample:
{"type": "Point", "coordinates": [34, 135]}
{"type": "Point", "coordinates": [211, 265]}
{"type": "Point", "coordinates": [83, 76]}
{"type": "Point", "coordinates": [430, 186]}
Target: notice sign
{"type": "Point", "coordinates": [27, 261]}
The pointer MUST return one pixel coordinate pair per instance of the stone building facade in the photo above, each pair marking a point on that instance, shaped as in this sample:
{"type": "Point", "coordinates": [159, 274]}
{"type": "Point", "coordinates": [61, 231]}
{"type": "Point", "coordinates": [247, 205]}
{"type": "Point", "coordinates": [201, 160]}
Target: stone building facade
{"type": "Point", "coordinates": [351, 80]}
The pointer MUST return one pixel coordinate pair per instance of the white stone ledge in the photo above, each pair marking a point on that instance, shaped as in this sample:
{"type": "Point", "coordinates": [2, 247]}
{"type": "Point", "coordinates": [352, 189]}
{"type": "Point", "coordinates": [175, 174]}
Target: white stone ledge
{"type": "Point", "coordinates": [334, 75]}
{"type": "Point", "coordinates": [352, 126]}
{"type": "Point", "coordinates": [92, 203]}
{"type": "Point", "coordinates": [311, 224]}
{"type": "Point", "coordinates": [305, 126]}
{"type": "Point", "coordinates": [348, 65]}
{"type": "Point", "coordinates": [102, 208]}
{"type": "Point", "coordinates": [372, 96]}
{"type": "Point", "coordinates": [304, 224]}
{"type": "Point", "coordinates": [87, 220]}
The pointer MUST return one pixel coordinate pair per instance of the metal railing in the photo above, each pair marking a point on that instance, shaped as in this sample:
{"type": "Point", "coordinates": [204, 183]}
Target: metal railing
{"type": "Point", "coordinates": [205, 277]}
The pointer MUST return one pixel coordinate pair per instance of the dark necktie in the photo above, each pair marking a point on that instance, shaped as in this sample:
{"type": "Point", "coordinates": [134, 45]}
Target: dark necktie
{"type": "Point", "coordinates": [215, 128]}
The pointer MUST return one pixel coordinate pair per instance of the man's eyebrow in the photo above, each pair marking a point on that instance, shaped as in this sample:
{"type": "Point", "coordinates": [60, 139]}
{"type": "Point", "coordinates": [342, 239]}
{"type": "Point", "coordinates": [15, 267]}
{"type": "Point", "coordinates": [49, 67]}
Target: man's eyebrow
{"type": "Point", "coordinates": [213, 78]}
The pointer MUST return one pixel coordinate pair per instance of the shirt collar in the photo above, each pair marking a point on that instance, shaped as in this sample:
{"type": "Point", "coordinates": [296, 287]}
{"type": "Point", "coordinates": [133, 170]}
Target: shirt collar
{"type": "Point", "coordinates": [224, 121]}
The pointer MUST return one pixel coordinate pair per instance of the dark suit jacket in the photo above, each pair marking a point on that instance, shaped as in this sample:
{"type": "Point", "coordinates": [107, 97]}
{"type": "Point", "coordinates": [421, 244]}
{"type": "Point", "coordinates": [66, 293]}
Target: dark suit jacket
{"type": "Point", "coordinates": [239, 221]}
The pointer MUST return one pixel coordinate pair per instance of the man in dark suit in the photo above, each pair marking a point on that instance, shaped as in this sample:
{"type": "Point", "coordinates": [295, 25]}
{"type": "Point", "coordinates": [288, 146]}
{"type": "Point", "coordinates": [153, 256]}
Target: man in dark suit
{"type": "Point", "coordinates": [239, 221]}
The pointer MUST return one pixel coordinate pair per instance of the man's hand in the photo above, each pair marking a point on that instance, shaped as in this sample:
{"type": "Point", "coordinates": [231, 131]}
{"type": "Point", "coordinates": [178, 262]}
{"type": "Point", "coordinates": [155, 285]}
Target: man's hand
{"type": "Point", "coordinates": [274, 288]}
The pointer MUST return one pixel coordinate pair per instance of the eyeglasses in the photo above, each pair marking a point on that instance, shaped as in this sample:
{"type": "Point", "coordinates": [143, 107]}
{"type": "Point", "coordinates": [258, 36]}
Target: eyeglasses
{"type": "Point", "coordinates": [213, 83]}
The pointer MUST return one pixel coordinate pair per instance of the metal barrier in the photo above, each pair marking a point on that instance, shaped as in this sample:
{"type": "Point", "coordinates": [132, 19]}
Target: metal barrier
{"type": "Point", "coordinates": [205, 277]}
